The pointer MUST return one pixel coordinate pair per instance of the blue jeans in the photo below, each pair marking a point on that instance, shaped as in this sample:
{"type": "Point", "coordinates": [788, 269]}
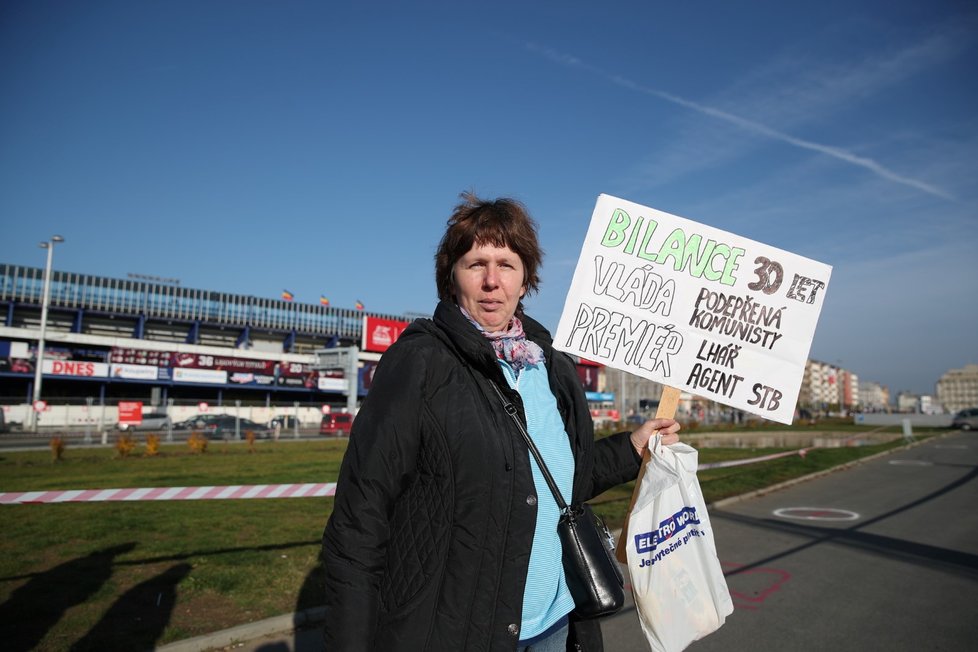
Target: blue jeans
{"type": "Point", "coordinates": [556, 642]}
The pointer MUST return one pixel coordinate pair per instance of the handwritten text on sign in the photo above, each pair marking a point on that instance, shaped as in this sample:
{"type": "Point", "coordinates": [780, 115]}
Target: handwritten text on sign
{"type": "Point", "coordinates": [693, 307]}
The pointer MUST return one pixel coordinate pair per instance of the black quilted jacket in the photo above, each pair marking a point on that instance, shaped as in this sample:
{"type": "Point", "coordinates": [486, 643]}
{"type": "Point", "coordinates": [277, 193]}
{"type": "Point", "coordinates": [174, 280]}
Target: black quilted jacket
{"type": "Point", "coordinates": [428, 544]}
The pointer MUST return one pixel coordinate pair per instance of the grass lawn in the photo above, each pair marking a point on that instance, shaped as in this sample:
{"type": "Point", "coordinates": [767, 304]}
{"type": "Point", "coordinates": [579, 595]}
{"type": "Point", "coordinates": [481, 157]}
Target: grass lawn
{"type": "Point", "coordinates": [88, 576]}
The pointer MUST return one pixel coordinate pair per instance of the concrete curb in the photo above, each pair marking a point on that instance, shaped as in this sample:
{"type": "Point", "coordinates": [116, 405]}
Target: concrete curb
{"type": "Point", "coordinates": [247, 632]}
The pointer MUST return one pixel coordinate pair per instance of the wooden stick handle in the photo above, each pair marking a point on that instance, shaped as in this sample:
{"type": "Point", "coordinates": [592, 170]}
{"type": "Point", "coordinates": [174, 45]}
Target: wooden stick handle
{"type": "Point", "coordinates": [668, 403]}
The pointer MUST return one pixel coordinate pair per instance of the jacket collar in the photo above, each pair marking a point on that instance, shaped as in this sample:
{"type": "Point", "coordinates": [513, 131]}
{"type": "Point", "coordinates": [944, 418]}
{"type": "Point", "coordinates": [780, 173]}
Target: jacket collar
{"type": "Point", "coordinates": [469, 344]}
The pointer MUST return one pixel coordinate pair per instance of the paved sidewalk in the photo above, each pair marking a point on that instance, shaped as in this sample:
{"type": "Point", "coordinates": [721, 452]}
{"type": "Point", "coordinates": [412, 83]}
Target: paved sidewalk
{"type": "Point", "coordinates": [285, 633]}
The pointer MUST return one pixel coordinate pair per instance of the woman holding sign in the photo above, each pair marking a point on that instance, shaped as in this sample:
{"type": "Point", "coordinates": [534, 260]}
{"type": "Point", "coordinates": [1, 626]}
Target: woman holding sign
{"type": "Point", "coordinates": [443, 532]}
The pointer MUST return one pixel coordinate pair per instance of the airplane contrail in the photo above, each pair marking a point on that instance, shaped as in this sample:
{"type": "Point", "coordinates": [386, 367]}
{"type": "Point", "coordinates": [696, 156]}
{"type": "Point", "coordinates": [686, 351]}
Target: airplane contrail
{"type": "Point", "coordinates": [750, 125]}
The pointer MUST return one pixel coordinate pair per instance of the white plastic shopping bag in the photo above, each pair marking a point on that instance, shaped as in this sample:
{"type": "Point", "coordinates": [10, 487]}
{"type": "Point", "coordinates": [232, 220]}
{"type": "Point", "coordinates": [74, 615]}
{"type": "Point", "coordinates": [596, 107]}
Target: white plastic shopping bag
{"type": "Point", "coordinates": [679, 589]}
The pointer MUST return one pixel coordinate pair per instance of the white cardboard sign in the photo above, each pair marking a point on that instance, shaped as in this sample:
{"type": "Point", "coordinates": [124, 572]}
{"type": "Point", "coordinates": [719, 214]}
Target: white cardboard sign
{"type": "Point", "coordinates": [693, 307]}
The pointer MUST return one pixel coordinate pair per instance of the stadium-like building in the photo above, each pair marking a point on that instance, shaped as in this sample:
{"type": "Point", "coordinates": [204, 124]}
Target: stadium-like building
{"type": "Point", "coordinates": [151, 340]}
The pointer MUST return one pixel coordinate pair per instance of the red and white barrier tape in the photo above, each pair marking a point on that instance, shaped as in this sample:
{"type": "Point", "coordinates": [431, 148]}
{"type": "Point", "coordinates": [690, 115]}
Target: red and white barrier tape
{"type": "Point", "coordinates": [312, 490]}
{"type": "Point", "coordinates": [720, 465]}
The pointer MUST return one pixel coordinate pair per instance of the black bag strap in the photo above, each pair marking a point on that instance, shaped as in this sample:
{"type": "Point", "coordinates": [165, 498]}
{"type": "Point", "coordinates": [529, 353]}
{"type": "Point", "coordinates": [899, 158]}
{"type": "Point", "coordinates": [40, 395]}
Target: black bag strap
{"type": "Point", "coordinates": [514, 413]}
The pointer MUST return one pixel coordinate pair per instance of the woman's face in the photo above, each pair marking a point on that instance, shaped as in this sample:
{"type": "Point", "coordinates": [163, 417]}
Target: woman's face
{"type": "Point", "coordinates": [489, 284]}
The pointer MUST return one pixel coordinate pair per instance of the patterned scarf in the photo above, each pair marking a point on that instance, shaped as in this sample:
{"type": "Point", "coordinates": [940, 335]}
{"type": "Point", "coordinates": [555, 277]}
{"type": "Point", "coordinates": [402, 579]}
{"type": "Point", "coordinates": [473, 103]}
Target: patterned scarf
{"type": "Point", "coordinates": [511, 344]}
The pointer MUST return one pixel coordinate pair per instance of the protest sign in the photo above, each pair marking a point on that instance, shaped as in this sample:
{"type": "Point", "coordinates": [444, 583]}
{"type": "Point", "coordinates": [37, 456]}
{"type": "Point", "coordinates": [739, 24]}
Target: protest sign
{"type": "Point", "coordinates": [693, 307]}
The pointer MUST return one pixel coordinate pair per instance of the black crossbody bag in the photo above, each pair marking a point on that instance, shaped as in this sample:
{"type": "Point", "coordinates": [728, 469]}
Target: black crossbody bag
{"type": "Point", "coordinates": [590, 568]}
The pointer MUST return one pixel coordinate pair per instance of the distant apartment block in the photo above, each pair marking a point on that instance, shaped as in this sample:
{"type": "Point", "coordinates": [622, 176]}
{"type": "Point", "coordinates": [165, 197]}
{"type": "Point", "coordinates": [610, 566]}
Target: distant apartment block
{"type": "Point", "coordinates": [850, 388]}
{"type": "Point", "coordinates": [908, 402]}
{"type": "Point", "coordinates": [873, 397]}
{"type": "Point", "coordinates": [957, 389]}
{"type": "Point", "coordinates": [824, 385]}
{"type": "Point", "coordinates": [929, 405]}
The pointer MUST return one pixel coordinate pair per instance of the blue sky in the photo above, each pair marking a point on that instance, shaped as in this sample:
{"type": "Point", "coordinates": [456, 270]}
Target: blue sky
{"type": "Point", "coordinates": [318, 147]}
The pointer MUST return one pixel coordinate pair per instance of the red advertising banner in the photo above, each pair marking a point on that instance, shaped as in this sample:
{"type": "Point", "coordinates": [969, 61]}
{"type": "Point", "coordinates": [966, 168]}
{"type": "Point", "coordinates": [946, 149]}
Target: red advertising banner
{"type": "Point", "coordinates": [131, 412]}
{"type": "Point", "coordinates": [185, 367]}
{"type": "Point", "coordinates": [180, 360]}
{"type": "Point", "coordinates": [122, 355]}
{"type": "Point", "coordinates": [296, 374]}
{"type": "Point", "coordinates": [194, 367]}
{"type": "Point", "coordinates": [379, 334]}
{"type": "Point", "coordinates": [221, 363]}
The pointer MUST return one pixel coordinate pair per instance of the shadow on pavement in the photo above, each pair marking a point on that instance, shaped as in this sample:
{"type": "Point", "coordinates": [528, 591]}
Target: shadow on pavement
{"type": "Point", "coordinates": [960, 562]}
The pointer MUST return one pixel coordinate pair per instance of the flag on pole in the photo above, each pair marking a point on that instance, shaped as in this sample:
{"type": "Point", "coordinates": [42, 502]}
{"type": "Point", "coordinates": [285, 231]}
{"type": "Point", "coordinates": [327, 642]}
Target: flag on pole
{"type": "Point", "coordinates": [359, 305]}
{"type": "Point", "coordinates": [323, 300]}
{"type": "Point", "coordinates": [287, 296]}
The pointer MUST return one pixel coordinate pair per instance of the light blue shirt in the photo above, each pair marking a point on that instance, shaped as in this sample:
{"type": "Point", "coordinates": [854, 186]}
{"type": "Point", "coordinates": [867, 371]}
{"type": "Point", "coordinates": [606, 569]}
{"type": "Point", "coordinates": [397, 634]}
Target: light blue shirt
{"type": "Point", "coordinates": [546, 598]}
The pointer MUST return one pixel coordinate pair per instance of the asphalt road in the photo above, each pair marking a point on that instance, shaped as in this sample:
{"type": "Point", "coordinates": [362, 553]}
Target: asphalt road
{"type": "Point", "coordinates": [880, 556]}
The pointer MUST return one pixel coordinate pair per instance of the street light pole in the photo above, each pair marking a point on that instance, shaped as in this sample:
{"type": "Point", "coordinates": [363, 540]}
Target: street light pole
{"type": "Point", "coordinates": [39, 358]}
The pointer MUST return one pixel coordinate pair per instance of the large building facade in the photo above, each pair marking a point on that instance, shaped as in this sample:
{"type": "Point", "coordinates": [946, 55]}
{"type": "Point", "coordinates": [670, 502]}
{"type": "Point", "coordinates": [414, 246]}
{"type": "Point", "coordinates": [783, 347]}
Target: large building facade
{"type": "Point", "coordinates": [138, 339]}
{"type": "Point", "coordinates": [873, 397]}
{"type": "Point", "coordinates": [958, 388]}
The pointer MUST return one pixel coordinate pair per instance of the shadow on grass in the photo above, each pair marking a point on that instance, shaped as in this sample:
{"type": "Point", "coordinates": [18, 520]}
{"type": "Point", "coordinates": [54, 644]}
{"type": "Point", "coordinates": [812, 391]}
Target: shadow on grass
{"type": "Point", "coordinates": [217, 552]}
{"type": "Point", "coordinates": [38, 605]}
{"type": "Point", "coordinates": [312, 594]}
{"type": "Point", "coordinates": [178, 557]}
{"type": "Point", "coordinates": [139, 616]}
{"type": "Point", "coordinates": [309, 604]}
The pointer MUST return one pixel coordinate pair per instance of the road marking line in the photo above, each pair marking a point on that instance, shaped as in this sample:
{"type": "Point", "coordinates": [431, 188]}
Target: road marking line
{"type": "Point", "coordinates": [816, 514]}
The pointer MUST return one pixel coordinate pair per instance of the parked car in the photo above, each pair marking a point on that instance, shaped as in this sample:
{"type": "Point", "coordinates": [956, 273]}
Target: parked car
{"type": "Point", "coordinates": [223, 427]}
{"type": "Point", "coordinates": [151, 421]}
{"type": "Point", "coordinates": [336, 423]}
{"type": "Point", "coordinates": [198, 422]}
{"type": "Point", "coordinates": [966, 419]}
{"type": "Point", "coordinates": [285, 422]}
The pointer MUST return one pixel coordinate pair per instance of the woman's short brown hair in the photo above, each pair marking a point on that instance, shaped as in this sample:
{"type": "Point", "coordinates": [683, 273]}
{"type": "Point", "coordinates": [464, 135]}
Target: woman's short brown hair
{"type": "Point", "coordinates": [502, 222]}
